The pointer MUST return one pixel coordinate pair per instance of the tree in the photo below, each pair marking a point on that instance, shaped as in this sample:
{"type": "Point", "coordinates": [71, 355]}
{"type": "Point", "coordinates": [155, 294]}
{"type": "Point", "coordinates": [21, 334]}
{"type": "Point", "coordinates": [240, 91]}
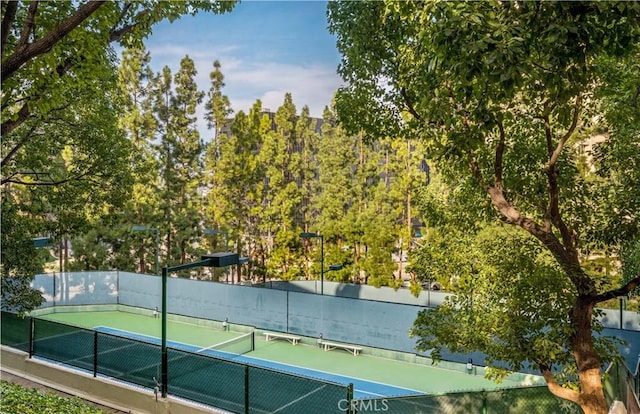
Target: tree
{"type": "Point", "coordinates": [500, 93]}
{"type": "Point", "coordinates": [237, 179]}
{"type": "Point", "coordinates": [282, 195]}
{"type": "Point", "coordinates": [63, 157]}
{"type": "Point", "coordinates": [136, 81]}
{"type": "Point", "coordinates": [19, 263]}
{"type": "Point", "coordinates": [50, 47]}
{"type": "Point", "coordinates": [334, 193]}
{"type": "Point", "coordinates": [181, 159]}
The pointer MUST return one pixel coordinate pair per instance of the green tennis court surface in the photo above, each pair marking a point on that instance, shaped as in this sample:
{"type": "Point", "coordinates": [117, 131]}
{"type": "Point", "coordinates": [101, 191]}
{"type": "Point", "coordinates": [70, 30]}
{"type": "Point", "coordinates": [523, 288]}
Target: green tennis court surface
{"type": "Point", "coordinates": [422, 378]}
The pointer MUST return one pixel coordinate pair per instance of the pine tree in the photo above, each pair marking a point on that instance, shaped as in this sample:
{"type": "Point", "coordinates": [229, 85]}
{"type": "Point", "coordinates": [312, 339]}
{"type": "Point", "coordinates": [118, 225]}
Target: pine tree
{"type": "Point", "coordinates": [180, 156]}
{"type": "Point", "coordinates": [281, 158]}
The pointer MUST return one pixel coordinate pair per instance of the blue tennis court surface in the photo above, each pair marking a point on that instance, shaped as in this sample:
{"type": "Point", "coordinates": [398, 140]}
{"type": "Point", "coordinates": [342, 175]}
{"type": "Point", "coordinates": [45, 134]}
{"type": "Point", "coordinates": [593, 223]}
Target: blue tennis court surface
{"type": "Point", "coordinates": [362, 389]}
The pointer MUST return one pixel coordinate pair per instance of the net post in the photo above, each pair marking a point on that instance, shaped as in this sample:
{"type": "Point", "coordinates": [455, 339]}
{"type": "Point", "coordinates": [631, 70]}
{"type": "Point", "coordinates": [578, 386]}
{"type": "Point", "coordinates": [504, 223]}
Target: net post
{"type": "Point", "coordinates": [253, 341]}
{"type": "Point", "coordinates": [95, 354]}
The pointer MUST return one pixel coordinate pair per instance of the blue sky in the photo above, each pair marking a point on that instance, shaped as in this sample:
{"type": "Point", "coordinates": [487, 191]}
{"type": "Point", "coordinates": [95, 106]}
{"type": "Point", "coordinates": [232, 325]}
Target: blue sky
{"type": "Point", "coordinates": [266, 48]}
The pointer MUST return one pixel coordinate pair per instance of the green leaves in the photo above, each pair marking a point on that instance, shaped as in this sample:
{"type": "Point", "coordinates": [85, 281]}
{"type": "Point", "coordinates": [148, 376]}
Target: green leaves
{"type": "Point", "coordinates": [18, 399]}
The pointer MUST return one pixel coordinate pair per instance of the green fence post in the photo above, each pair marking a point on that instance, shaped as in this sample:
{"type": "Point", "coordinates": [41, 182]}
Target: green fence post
{"type": "Point", "coordinates": [95, 354]}
{"type": "Point", "coordinates": [246, 389]}
{"type": "Point", "coordinates": [350, 398]}
{"type": "Point", "coordinates": [31, 336]}
{"type": "Point", "coordinates": [163, 348]}
{"type": "Point", "coordinates": [484, 402]}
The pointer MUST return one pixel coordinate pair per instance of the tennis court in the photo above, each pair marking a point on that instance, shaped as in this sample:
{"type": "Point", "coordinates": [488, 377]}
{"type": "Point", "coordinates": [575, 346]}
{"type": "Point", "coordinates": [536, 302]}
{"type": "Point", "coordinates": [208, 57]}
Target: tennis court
{"type": "Point", "coordinates": [372, 377]}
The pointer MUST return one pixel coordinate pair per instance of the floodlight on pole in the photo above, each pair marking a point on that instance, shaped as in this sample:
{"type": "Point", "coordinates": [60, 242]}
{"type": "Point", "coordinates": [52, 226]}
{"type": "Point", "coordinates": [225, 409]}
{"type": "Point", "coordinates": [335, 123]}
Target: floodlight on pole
{"type": "Point", "coordinates": [145, 228]}
{"type": "Point", "coordinates": [220, 259]}
{"type": "Point", "coordinates": [306, 235]}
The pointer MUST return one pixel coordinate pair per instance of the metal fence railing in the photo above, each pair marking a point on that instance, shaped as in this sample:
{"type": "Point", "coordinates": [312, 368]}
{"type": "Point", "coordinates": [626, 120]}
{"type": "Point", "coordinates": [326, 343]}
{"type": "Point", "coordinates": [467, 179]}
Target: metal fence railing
{"type": "Point", "coordinates": [234, 386]}
{"type": "Point", "coordinates": [523, 400]}
{"type": "Point", "coordinates": [240, 387]}
{"type": "Point", "coordinates": [620, 384]}
{"type": "Point", "coordinates": [243, 388]}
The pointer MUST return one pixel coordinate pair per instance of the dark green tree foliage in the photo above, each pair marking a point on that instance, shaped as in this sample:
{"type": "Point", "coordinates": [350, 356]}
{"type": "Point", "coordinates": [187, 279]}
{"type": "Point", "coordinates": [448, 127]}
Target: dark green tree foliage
{"type": "Point", "coordinates": [309, 171]}
{"type": "Point", "coordinates": [181, 163]}
{"type": "Point", "coordinates": [234, 199]}
{"type": "Point", "coordinates": [63, 159]}
{"type": "Point", "coordinates": [500, 92]}
{"type": "Point", "coordinates": [143, 207]}
{"type": "Point", "coordinates": [108, 245]}
{"type": "Point", "coordinates": [20, 259]}
{"type": "Point", "coordinates": [217, 112]}
{"type": "Point", "coordinates": [51, 49]}
{"type": "Point", "coordinates": [282, 196]}
{"type": "Point", "coordinates": [332, 166]}
{"type": "Point", "coordinates": [334, 162]}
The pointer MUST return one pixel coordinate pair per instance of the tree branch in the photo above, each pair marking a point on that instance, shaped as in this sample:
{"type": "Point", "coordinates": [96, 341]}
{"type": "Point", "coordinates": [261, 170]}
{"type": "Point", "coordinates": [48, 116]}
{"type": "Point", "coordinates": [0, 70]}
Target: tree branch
{"type": "Point", "coordinates": [553, 209]}
{"type": "Point", "coordinates": [10, 179]}
{"type": "Point", "coordinates": [565, 259]}
{"type": "Point", "coordinates": [624, 290]}
{"type": "Point", "coordinates": [29, 23]}
{"type": "Point", "coordinates": [21, 55]}
{"type": "Point", "coordinates": [10, 9]}
{"type": "Point", "coordinates": [557, 389]}
{"type": "Point", "coordinates": [407, 101]}
{"type": "Point", "coordinates": [24, 113]}
{"type": "Point", "coordinates": [123, 13]}
{"type": "Point", "coordinates": [576, 115]}
{"type": "Point", "coordinates": [8, 126]}
{"type": "Point", "coordinates": [498, 165]}
{"type": "Point", "coordinates": [16, 147]}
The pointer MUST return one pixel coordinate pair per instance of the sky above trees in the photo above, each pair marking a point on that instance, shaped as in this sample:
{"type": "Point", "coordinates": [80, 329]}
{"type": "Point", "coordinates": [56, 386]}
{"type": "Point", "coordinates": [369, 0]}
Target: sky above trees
{"type": "Point", "coordinates": [266, 49]}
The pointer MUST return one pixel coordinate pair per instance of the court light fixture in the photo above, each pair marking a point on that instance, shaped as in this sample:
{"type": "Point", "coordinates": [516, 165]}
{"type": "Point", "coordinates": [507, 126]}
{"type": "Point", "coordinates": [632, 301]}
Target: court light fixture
{"type": "Point", "coordinates": [220, 259]}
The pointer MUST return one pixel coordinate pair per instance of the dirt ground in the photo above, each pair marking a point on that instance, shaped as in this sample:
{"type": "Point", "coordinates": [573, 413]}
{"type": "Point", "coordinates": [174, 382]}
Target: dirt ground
{"type": "Point", "coordinates": [30, 384]}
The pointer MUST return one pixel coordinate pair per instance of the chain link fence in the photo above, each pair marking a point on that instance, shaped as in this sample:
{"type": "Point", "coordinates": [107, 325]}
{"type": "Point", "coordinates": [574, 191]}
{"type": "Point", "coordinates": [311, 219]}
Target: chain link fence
{"type": "Point", "coordinates": [16, 331]}
{"type": "Point", "coordinates": [202, 377]}
{"type": "Point", "coordinates": [243, 388]}
{"type": "Point", "coordinates": [620, 384]}
{"type": "Point", "coordinates": [525, 400]}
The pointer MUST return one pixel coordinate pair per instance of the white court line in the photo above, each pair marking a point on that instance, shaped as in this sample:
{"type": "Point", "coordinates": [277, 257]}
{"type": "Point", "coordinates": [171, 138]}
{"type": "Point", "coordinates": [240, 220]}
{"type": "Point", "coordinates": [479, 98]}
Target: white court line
{"type": "Point", "coordinates": [298, 399]}
{"type": "Point", "coordinates": [333, 373]}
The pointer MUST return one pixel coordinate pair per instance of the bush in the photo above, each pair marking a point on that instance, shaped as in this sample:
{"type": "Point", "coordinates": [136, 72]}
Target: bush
{"type": "Point", "coordinates": [17, 399]}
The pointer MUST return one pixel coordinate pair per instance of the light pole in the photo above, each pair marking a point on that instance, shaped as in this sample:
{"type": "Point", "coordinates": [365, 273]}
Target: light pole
{"type": "Point", "coordinates": [145, 228]}
{"type": "Point", "coordinates": [226, 246]}
{"type": "Point", "coordinates": [306, 235]}
{"type": "Point", "coordinates": [221, 259]}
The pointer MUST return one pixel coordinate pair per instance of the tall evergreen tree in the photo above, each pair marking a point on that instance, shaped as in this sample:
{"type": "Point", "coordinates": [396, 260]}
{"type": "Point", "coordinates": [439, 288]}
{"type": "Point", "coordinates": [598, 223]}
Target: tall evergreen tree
{"type": "Point", "coordinates": [238, 181]}
{"type": "Point", "coordinates": [334, 195]}
{"type": "Point", "coordinates": [281, 157]}
{"type": "Point", "coordinates": [180, 156]}
{"type": "Point", "coordinates": [217, 112]}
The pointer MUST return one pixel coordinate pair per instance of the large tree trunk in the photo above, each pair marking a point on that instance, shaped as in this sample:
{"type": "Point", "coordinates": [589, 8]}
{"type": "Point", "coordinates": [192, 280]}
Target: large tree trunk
{"type": "Point", "coordinates": [591, 397]}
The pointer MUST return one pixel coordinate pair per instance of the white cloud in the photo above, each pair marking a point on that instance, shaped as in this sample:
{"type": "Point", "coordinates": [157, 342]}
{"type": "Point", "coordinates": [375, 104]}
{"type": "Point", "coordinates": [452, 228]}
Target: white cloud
{"type": "Point", "coordinates": [245, 82]}
{"type": "Point", "coordinates": [261, 58]}
{"type": "Point", "coordinates": [313, 86]}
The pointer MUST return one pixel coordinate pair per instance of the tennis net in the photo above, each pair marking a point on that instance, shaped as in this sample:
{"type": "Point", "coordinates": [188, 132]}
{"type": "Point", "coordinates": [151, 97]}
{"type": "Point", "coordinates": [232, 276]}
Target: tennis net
{"type": "Point", "coordinates": [237, 346]}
